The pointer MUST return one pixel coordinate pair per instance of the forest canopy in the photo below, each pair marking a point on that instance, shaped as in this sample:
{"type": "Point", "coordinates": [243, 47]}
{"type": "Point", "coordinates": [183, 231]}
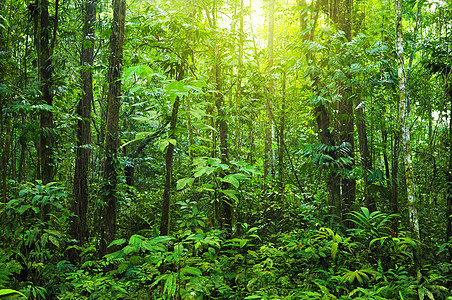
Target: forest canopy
{"type": "Point", "coordinates": [225, 149]}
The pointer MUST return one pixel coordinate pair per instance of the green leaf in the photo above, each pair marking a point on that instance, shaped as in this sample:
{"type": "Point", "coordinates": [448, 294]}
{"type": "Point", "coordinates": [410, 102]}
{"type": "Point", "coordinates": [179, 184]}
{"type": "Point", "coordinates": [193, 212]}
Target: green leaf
{"type": "Point", "coordinates": [239, 176]}
{"type": "Point", "coordinates": [54, 240]}
{"type": "Point", "coordinates": [23, 208]}
{"type": "Point", "coordinates": [136, 240]}
{"type": "Point", "coordinates": [6, 292]}
{"type": "Point", "coordinates": [232, 180]}
{"type": "Point", "coordinates": [170, 285]}
{"type": "Point", "coordinates": [334, 250]}
{"type": "Point", "coordinates": [231, 194]}
{"type": "Point", "coordinates": [164, 144]}
{"type": "Point", "coordinates": [162, 239]}
{"type": "Point", "coordinates": [191, 270]}
{"type": "Point", "coordinates": [199, 172]}
{"type": "Point", "coordinates": [132, 70]}
{"type": "Point", "coordinates": [182, 183]}
{"type": "Point", "coordinates": [117, 242]}
{"type": "Point", "coordinates": [23, 192]}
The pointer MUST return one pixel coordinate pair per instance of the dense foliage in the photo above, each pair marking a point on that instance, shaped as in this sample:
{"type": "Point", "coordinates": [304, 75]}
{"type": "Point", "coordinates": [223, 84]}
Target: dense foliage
{"type": "Point", "coordinates": [225, 149]}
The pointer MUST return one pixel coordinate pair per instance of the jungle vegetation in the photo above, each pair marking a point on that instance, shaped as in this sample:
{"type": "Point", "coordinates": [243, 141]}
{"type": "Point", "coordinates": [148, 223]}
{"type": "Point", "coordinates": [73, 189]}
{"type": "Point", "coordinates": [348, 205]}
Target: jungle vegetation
{"type": "Point", "coordinates": [225, 149]}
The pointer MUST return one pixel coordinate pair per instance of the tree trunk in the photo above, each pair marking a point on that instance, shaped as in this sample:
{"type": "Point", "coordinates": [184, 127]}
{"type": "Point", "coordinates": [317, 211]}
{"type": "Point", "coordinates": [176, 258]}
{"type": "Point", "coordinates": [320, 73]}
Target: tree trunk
{"type": "Point", "coordinates": [346, 135]}
{"type": "Point", "coordinates": [226, 205]}
{"type": "Point", "coordinates": [345, 22]}
{"type": "Point", "coordinates": [449, 177]}
{"type": "Point", "coordinates": [166, 201]}
{"type": "Point", "coordinates": [395, 177]}
{"type": "Point", "coordinates": [40, 14]}
{"type": "Point", "coordinates": [78, 227]}
{"type": "Point", "coordinates": [268, 156]}
{"type": "Point", "coordinates": [282, 125]}
{"type": "Point", "coordinates": [404, 127]}
{"type": "Point", "coordinates": [332, 180]}
{"type": "Point", "coordinates": [3, 135]}
{"type": "Point", "coordinates": [110, 176]}
{"type": "Point", "coordinates": [366, 161]}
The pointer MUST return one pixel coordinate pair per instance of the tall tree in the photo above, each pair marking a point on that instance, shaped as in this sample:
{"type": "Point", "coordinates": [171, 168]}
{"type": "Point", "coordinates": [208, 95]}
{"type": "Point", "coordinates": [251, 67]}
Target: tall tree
{"type": "Point", "coordinates": [404, 126]}
{"type": "Point", "coordinates": [321, 114]}
{"type": "Point", "coordinates": [110, 175]}
{"type": "Point", "coordinates": [40, 13]}
{"type": "Point", "coordinates": [166, 201]}
{"type": "Point", "coordinates": [222, 125]}
{"type": "Point", "coordinates": [79, 230]}
{"type": "Point", "coordinates": [449, 173]}
{"type": "Point", "coordinates": [268, 154]}
{"type": "Point", "coordinates": [366, 161]}
{"type": "Point", "coordinates": [3, 134]}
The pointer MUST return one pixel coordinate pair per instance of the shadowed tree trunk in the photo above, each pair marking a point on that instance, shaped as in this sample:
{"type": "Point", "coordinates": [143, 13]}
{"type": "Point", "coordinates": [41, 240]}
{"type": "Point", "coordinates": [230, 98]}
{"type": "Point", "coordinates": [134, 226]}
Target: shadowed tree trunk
{"type": "Point", "coordinates": [345, 21]}
{"type": "Point", "coordinates": [110, 176]}
{"type": "Point", "coordinates": [366, 161]}
{"type": "Point", "coordinates": [395, 177]}
{"type": "Point", "coordinates": [323, 122]}
{"type": "Point", "coordinates": [40, 13]}
{"type": "Point", "coordinates": [332, 179]}
{"type": "Point", "coordinates": [78, 227]}
{"type": "Point", "coordinates": [282, 124]}
{"type": "Point", "coordinates": [226, 205]}
{"type": "Point", "coordinates": [3, 133]}
{"type": "Point", "coordinates": [449, 176]}
{"type": "Point", "coordinates": [166, 200]}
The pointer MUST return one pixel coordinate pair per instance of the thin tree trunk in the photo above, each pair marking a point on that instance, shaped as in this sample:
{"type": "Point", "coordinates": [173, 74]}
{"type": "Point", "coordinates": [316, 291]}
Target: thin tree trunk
{"type": "Point", "coordinates": [110, 176]}
{"type": "Point", "coordinates": [79, 207]}
{"type": "Point", "coordinates": [4, 135]}
{"type": "Point", "coordinates": [449, 177]}
{"type": "Point", "coordinates": [404, 127]}
{"type": "Point", "coordinates": [282, 124]}
{"type": "Point", "coordinates": [395, 176]}
{"type": "Point", "coordinates": [166, 200]}
{"type": "Point", "coordinates": [268, 156]}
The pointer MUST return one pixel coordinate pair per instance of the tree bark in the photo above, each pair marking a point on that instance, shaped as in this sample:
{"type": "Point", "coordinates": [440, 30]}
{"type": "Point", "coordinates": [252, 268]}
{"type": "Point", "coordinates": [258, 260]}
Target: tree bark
{"type": "Point", "coordinates": [449, 178]}
{"type": "Point", "coordinates": [268, 154]}
{"type": "Point", "coordinates": [3, 133]}
{"type": "Point", "coordinates": [282, 124]}
{"type": "Point", "coordinates": [340, 12]}
{"type": "Point", "coordinates": [110, 176]}
{"type": "Point", "coordinates": [404, 127]}
{"type": "Point", "coordinates": [366, 161]}
{"type": "Point", "coordinates": [345, 22]}
{"type": "Point", "coordinates": [332, 179]}
{"type": "Point", "coordinates": [226, 205]}
{"type": "Point", "coordinates": [166, 201]}
{"type": "Point", "coordinates": [40, 14]}
{"type": "Point", "coordinates": [79, 207]}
